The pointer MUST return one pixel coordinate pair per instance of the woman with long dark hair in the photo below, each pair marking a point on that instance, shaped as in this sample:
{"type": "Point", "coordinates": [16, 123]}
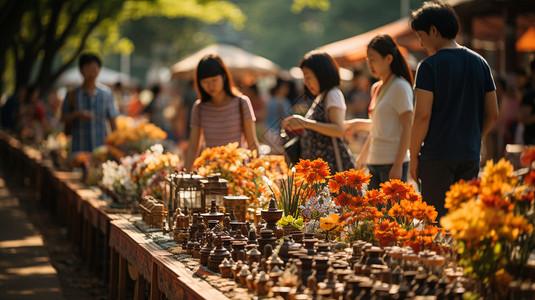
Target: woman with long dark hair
{"type": "Point", "coordinates": [385, 150]}
{"type": "Point", "coordinates": [323, 126]}
{"type": "Point", "coordinates": [222, 115]}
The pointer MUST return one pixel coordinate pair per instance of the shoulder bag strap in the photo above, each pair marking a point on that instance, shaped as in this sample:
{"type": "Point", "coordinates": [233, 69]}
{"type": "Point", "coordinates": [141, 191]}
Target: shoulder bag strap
{"type": "Point", "coordinates": [339, 164]}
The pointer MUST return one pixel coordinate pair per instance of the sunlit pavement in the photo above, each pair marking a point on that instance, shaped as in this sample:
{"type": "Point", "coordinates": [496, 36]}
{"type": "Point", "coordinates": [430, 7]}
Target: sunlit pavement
{"type": "Point", "coordinates": [25, 268]}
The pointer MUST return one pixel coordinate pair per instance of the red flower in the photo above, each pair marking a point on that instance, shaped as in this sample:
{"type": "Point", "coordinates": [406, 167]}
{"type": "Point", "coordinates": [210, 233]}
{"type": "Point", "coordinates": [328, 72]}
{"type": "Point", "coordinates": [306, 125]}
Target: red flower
{"type": "Point", "coordinates": [529, 156]}
{"type": "Point", "coordinates": [530, 178]}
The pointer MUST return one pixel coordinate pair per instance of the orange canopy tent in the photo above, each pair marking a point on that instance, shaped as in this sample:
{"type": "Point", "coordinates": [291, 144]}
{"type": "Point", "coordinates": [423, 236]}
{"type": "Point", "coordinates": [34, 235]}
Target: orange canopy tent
{"type": "Point", "coordinates": [352, 50]}
{"type": "Point", "coordinates": [526, 43]}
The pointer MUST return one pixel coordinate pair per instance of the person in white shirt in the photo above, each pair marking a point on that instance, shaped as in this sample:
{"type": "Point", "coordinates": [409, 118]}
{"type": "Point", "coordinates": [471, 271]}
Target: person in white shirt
{"type": "Point", "coordinates": [385, 151]}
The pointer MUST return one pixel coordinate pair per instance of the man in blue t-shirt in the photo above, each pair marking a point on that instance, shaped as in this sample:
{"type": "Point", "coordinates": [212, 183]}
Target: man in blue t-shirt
{"type": "Point", "coordinates": [455, 106]}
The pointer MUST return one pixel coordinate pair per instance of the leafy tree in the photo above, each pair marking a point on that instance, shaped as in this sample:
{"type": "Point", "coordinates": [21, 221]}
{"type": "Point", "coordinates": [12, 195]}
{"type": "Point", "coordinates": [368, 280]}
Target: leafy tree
{"type": "Point", "coordinates": [46, 36]}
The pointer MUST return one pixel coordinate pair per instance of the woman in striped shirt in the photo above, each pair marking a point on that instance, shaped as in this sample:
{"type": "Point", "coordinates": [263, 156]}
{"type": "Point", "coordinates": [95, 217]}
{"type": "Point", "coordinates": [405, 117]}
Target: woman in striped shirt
{"type": "Point", "coordinates": [221, 115]}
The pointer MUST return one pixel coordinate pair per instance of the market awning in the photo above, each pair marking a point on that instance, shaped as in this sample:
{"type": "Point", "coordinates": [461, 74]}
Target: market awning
{"type": "Point", "coordinates": [238, 61]}
{"type": "Point", "coordinates": [526, 43]}
{"type": "Point", "coordinates": [353, 50]}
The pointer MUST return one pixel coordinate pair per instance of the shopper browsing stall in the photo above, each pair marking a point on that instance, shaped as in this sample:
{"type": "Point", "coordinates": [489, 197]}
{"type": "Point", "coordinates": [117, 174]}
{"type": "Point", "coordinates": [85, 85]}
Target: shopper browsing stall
{"type": "Point", "coordinates": [221, 115]}
{"type": "Point", "coordinates": [455, 106]}
{"type": "Point", "coordinates": [385, 150]}
{"type": "Point", "coordinates": [323, 125]}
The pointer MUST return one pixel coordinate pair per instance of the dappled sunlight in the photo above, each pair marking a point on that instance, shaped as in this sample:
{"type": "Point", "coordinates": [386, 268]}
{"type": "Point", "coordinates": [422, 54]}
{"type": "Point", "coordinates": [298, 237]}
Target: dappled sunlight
{"type": "Point", "coordinates": [27, 242]}
{"type": "Point", "coordinates": [32, 270]}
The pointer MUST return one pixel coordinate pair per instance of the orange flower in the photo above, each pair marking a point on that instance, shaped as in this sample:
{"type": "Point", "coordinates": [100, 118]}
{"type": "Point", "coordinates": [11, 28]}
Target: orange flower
{"type": "Point", "coordinates": [362, 213]}
{"type": "Point", "coordinates": [421, 211]}
{"type": "Point", "coordinates": [387, 232]}
{"type": "Point", "coordinates": [330, 222]}
{"type": "Point", "coordinates": [336, 182]}
{"type": "Point", "coordinates": [396, 189]}
{"type": "Point", "coordinates": [530, 178]}
{"type": "Point", "coordinates": [396, 211]}
{"type": "Point", "coordinates": [375, 197]}
{"type": "Point", "coordinates": [312, 171]}
{"type": "Point", "coordinates": [493, 196]}
{"type": "Point", "coordinates": [344, 199]}
{"type": "Point", "coordinates": [356, 178]}
{"type": "Point", "coordinates": [460, 192]}
{"type": "Point", "coordinates": [529, 156]}
{"type": "Point", "coordinates": [524, 194]}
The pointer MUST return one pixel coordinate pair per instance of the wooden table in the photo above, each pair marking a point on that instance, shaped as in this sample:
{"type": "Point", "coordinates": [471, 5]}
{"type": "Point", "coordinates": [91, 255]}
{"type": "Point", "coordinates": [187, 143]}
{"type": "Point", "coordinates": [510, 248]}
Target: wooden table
{"type": "Point", "coordinates": [109, 244]}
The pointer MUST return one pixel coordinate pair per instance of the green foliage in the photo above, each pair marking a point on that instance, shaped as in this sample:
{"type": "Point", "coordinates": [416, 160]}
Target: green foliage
{"type": "Point", "coordinates": [40, 32]}
{"type": "Point", "coordinates": [291, 196]}
{"type": "Point", "coordinates": [299, 5]}
{"type": "Point", "coordinates": [282, 33]}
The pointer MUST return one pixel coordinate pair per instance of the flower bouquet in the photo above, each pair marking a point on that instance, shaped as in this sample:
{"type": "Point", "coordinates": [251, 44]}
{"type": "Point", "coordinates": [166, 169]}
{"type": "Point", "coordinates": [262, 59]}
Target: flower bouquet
{"type": "Point", "coordinates": [133, 136]}
{"type": "Point", "coordinates": [248, 175]}
{"type": "Point", "coordinates": [139, 174]}
{"type": "Point", "coordinates": [491, 219]}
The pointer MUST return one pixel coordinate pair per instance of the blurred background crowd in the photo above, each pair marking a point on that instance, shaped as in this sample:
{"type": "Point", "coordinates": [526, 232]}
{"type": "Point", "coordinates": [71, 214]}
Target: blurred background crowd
{"type": "Point", "coordinates": [150, 50]}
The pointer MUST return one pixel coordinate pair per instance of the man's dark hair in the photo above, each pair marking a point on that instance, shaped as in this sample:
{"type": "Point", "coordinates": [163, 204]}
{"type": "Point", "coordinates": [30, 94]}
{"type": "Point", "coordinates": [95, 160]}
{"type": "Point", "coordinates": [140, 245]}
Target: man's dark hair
{"type": "Point", "coordinates": [89, 58]}
{"type": "Point", "coordinates": [437, 14]}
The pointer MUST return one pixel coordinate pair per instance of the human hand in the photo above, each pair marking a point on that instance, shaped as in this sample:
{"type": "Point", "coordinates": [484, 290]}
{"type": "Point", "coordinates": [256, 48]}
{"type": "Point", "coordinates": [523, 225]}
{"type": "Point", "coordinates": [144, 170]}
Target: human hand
{"type": "Point", "coordinates": [85, 115]}
{"type": "Point", "coordinates": [395, 172]}
{"type": "Point", "coordinates": [294, 123]}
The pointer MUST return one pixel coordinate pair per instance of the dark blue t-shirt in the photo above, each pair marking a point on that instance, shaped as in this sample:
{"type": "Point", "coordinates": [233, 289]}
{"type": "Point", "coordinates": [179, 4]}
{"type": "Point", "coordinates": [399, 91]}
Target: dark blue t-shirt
{"type": "Point", "coordinates": [459, 80]}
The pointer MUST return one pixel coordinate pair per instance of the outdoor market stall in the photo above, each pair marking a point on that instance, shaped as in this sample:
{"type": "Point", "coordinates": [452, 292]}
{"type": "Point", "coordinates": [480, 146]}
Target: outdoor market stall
{"type": "Point", "coordinates": [313, 234]}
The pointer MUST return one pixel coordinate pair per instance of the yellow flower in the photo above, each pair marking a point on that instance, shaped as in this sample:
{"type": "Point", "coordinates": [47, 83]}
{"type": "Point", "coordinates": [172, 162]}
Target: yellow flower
{"type": "Point", "coordinates": [330, 222]}
{"type": "Point", "coordinates": [460, 192]}
{"type": "Point", "coordinates": [501, 172]}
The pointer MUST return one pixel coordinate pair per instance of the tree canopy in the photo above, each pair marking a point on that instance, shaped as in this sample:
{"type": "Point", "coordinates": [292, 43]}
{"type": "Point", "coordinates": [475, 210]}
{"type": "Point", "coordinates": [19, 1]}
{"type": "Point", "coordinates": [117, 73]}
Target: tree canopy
{"type": "Point", "coordinates": [43, 37]}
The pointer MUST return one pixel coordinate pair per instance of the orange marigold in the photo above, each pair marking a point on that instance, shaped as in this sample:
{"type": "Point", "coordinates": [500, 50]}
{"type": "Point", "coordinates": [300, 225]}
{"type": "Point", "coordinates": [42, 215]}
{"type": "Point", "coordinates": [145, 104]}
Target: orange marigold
{"type": "Point", "coordinates": [375, 197]}
{"type": "Point", "coordinates": [337, 182]}
{"type": "Point", "coordinates": [387, 232]}
{"type": "Point", "coordinates": [353, 201]}
{"type": "Point", "coordinates": [396, 189]}
{"type": "Point", "coordinates": [356, 178]}
{"type": "Point", "coordinates": [312, 171]}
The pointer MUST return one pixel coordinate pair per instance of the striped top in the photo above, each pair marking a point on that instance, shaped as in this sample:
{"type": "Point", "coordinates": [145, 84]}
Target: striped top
{"type": "Point", "coordinates": [221, 125]}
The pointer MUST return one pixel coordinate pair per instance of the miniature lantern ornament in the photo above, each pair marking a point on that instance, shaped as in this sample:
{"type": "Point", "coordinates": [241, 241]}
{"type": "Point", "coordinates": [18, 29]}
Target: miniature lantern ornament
{"type": "Point", "coordinates": [188, 191]}
{"type": "Point", "coordinates": [213, 188]}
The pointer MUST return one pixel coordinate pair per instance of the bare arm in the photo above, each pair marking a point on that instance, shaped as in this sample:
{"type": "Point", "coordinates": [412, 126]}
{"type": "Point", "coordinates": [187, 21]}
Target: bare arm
{"type": "Point", "coordinates": [193, 147]}
{"type": "Point", "coordinates": [491, 113]}
{"type": "Point", "coordinates": [334, 128]}
{"type": "Point", "coordinates": [358, 124]}
{"type": "Point", "coordinates": [113, 124]}
{"type": "Point", "coordinates": [406, 124]}
{"type": "Point", "coordinates": [420, 126]}
{"type": "Point", "coordinates": [250, 135]}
